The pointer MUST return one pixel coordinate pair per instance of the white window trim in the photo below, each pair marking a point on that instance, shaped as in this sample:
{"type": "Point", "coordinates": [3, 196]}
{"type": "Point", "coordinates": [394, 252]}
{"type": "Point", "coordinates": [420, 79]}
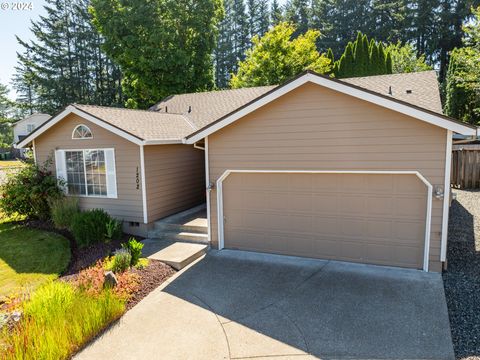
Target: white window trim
{"type": "Point", "coordinates": [106, 184]}
{"type": "Point", "coordinates": [428, 218]}
{"type": "Point", "coordinates": [85, 138]}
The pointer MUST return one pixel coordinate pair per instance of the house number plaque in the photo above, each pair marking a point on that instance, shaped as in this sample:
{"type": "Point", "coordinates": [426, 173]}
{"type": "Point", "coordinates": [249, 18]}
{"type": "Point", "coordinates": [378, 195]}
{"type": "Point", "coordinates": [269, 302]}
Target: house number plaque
{"type": "Point", "coordinates": [137, 179]}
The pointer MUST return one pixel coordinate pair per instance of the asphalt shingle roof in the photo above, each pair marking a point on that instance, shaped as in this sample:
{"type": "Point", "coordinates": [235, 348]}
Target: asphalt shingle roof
{"type": "Point", "coordinates": [146, 125]}
{"type": "Point", "coordinates": [178, 116]}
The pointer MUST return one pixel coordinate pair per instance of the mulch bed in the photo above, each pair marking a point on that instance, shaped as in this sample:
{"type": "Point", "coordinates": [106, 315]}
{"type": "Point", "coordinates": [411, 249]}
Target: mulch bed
{"type": "Point", "coordinates": [150, 278]}
{"type": "Point", "coordinates": [462, 278]}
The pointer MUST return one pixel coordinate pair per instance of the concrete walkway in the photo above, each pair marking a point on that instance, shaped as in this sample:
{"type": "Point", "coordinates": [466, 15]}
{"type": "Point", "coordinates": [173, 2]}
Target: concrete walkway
{"type": "Point", "coordinates": [239, 305]}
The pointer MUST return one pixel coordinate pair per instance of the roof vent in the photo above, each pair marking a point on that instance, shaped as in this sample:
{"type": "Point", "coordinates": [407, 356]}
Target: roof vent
{"type": "Point", "coordinates": [166, 109]}
{"type": "Point", "coordinates": [409, 91]}
{"type": "Point", "coordinates": [390, 90]}
{"type": "Point", "coordinates": [189, 109]}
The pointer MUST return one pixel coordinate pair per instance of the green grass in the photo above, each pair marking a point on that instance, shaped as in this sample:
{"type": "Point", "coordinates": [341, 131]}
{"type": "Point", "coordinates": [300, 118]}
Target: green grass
{"type": "Point", "coordinates": [10, 163]}
{"type": "Point", "coordinates": [29, 257]}
{"type": "Point", "coordinates": [58, 320]}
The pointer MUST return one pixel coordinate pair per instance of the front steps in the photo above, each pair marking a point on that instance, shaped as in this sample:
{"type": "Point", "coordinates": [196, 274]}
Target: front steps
{"type": "Point", "coordinates": [176, 254]}
{"type": "Point", "coordinates": [187, 226]}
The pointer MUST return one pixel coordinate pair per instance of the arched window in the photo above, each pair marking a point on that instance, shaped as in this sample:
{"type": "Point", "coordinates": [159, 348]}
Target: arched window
{"type": "Point", "coordinates": [82, 132]}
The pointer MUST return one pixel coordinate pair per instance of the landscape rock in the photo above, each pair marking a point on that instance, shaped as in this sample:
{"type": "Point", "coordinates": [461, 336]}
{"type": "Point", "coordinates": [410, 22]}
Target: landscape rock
{"type": "Point", "coordinates": [110, 280]}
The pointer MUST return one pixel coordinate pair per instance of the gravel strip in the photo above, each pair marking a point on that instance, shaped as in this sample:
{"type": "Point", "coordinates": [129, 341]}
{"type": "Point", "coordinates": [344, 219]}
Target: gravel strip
{"type": "Point", "coordinates": [462, 278]}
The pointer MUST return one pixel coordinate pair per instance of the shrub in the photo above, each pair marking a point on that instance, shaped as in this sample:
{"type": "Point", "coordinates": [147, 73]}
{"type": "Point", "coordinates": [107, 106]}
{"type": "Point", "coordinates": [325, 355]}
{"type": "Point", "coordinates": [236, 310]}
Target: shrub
{"type": "Point", "coordinates": [134, 247]}
{"type": "Point", "coordinates": [88, 227]}
{"type": "Point", "coordinates": [63, 211]}
{"type": "Point", "coordinates": [121, 260]}
{"type": "Point", "coordinates": [59, 319]}
{"type": "Point", "coordinates": [113, 229]}
{"type": "Point", "coordinates": [29, 191]}
{"type": "Point", "coordinates": [91, 280]}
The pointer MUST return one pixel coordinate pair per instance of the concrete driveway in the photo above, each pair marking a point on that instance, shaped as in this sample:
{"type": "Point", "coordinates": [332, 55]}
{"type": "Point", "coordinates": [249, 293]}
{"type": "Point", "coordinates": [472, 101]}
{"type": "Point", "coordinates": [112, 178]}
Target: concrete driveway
{"type": "Point", "coordinates": [238, 305]}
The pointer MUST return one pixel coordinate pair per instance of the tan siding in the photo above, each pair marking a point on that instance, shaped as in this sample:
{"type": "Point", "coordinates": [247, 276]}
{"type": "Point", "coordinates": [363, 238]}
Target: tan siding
{"type": "Point", "coordinates": [313, 128]}
{"type": "Point", "coordinates": [128, 205]}
{"type": "Point", "coordinates": [175, 179]}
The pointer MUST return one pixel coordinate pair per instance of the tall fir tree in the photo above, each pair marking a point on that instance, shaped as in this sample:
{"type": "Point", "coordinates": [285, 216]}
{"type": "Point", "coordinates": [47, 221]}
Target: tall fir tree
{"type": "Point", "coordinates": [64, 62]}
{"type": "Point", "coordinates": [298, 13]}
{"type": "Point", "coordinates": [276, 13]}
{"type": "Point", "coordinates": [233, 41]}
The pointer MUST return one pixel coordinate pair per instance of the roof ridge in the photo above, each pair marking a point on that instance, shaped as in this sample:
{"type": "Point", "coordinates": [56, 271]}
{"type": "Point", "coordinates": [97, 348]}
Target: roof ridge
{"type": "Point", "coordinates": [169, 97]}
{"type": "Point", "coordinates": [119, 108]}
{"type": "Point", "coordinates": [385, 75]}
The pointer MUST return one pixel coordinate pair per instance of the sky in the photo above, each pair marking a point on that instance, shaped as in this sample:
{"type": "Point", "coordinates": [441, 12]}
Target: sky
{"type": "Point", "coordinates": [14, 22]}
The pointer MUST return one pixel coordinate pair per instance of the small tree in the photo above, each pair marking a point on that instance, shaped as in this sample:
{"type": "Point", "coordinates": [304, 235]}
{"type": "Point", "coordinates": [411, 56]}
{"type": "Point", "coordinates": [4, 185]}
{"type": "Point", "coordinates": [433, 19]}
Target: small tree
{"type": "Point", "coordinates": [463, 76]}
{"type": "Point", "coordinates": [405, 60]}
{"type": "Point", "coordinates": [276, 57]}
{"type": "Point", "coordinates": [29, 192]}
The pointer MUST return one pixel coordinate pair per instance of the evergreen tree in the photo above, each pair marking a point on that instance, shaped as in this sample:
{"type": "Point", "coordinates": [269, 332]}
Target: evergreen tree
{"type": "Point", "coordinates": [64, 64]}
{"type": "Point", "coordinates": [6, 133]}
{"type": "Point", "coordinates": [232, 42]}
{"type": "Point", "coordinates": [276, 13]}
{"type": "Point", "coordinates": [253, 11]}
{"type": "Point", "coordinates": [263, 21]}
{"type": "Point", "coordinates": [346, 63]}
{"type": "Point", "coordinates": [298, 13]}
{"type": "Point", "coordinates": [361, 55]}
{"type": "Point", "coordinates": [463, 76]}
{"type": "Point", "coordinates": [364, 58]}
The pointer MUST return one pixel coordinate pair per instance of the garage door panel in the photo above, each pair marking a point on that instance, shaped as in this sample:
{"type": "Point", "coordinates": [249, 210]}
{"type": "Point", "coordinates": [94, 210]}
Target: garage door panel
{"type": "Point", "coordinates": [377, 205]}
{"type": "Point", "coordinates": [325, 204]}
{"type": "Point", "coordinates": [328, 225]}
{"type": "Point", "coordinates": [410, 232]}
{"type": "Point", "coordinates": [364, 218]}
{"type": "Point", "coordinates": [350, 204]}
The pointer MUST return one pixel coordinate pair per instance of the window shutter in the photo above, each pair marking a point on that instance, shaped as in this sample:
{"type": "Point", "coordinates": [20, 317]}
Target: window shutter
{"type": "Point", "coordinates": [60, 167]}
{"type": "Point", "coordinates": [111, 175]}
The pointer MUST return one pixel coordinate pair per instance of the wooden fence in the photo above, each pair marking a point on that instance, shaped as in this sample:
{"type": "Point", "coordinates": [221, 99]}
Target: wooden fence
{"type": "Point", "coordinates": [465, 167]}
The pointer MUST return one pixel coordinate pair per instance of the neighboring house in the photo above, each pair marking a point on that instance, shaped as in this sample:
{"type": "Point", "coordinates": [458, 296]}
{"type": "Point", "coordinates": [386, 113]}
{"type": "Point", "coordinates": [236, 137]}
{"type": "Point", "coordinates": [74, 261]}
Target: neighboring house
{"type": "Point", "coordinates": [352, 170]}
{"type": "Point", "coordinates": [26, 126]}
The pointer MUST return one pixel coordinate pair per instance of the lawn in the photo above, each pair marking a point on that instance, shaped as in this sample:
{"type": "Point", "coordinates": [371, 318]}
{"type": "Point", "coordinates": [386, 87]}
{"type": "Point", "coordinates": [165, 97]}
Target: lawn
{"type": "Point", "coordinates": [29, 257]}
{"type": "Point", "coordinates": [10, 163]}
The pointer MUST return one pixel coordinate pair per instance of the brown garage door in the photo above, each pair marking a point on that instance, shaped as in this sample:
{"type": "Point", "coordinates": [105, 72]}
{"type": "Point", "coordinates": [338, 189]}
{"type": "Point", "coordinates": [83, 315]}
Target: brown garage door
{"type": "Point", "coordinates": [378, 219]}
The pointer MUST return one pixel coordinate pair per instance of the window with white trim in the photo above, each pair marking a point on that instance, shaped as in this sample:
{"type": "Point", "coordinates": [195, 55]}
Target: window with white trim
{"type": "Point", "coordinates": [87, 172]}
{"type": "Point", "coordinates": [82, 132]}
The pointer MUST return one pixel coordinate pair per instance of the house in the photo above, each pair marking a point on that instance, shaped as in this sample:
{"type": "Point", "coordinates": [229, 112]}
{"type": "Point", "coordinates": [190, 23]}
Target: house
{"type": "Point", "coordinates": [354, 170]}
{"type": "Point", "coordinates": [27, 125]}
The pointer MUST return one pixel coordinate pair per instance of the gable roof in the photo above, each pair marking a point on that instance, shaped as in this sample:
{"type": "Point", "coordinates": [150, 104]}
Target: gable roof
{"type": "Point", "coordinates": [418, 88]}
{"type": "Point", "coordinates": [346, 87]}
{"type": "Point", "coordinates": [144, 124]}
{"type": "Point", "coordinates": [137, 126]}
{"type": "Point", "coordinates": [188, 118]}
{"type": "Point", "coordinates": [207, 107]}
{"type": "Point", "coordinates": [34, 116]}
